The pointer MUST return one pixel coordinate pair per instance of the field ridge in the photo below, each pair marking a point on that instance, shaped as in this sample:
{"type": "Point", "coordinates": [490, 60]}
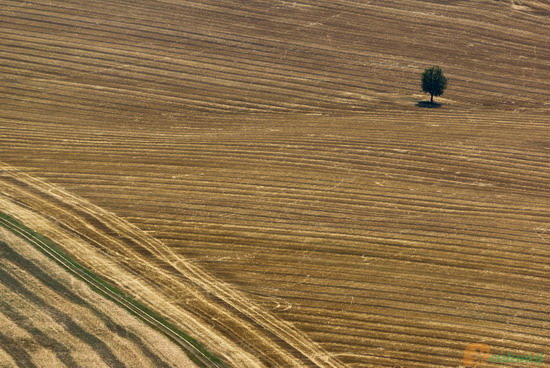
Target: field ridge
{"type": "Point", "coordinates": [97, 220]}
{"type": "Point", "coordinates": [196, 352]}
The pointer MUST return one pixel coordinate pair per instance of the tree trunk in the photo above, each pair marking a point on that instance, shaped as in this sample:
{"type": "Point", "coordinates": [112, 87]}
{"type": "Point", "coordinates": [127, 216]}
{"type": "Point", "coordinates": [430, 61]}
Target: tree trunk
{"type": "Point", "coordinates": [432, 98]}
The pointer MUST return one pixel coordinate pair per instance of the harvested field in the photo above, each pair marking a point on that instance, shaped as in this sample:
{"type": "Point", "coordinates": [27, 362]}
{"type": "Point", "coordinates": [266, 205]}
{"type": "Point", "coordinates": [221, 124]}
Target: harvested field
{"type": "Point", "coordinates": [260, 175]}
{"type": "Point", "coordinates": [51, 318]}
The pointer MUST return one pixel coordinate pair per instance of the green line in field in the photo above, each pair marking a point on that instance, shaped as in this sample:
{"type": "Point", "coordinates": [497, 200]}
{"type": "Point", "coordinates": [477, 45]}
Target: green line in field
{"type": "Point", "coordinates": [196, 352]}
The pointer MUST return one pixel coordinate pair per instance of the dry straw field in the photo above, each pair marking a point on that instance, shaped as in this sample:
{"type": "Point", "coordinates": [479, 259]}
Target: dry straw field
{"type": "Point", "coordinates": [65, 322]}
{"type": "Point", "coordinates": [259, 174]}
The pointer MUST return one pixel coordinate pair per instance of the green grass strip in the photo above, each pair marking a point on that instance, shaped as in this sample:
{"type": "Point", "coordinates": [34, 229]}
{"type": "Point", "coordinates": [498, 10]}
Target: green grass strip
{"type": "Point", "coordinates": [54, 252]}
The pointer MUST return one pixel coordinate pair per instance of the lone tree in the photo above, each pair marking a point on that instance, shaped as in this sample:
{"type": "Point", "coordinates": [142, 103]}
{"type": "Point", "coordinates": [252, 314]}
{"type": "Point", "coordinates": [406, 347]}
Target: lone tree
{"type": "Point", "coordinates": [433, 82]}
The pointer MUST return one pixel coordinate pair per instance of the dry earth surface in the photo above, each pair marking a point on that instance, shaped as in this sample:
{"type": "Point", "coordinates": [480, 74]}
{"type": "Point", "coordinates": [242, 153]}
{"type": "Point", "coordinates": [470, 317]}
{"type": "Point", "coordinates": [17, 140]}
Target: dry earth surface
{"type": "Point", "coordinates": [259, 173]}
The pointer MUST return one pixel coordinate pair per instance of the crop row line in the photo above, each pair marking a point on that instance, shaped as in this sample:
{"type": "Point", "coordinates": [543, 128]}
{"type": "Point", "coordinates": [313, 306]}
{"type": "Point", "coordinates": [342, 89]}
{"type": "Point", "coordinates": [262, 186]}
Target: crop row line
{"type": "Point", "coordinates": [196, 352]}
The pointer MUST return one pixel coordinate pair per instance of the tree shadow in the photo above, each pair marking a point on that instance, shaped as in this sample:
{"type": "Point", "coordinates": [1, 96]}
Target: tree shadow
{"type": "Point", "coordinates": [428, 104]}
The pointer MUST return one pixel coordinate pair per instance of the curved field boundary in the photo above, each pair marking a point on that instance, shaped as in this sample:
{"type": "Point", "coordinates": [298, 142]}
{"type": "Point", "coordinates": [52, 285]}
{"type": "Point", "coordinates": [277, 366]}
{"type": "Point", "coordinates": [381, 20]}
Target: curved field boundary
{"type": "Point", "coordinates": [192, 347]}
{"type": "Point", "coordinates": [258, 337]}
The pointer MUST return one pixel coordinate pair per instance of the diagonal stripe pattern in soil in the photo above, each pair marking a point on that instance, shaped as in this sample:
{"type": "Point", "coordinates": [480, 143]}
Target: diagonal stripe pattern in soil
{"type": "Point", "coordinates": [275, 342]}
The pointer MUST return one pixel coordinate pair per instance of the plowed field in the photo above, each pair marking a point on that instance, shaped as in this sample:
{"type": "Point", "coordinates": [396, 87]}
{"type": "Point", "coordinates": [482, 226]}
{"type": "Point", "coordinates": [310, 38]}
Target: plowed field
{"type": "Point", "coordinates": [259, 172]}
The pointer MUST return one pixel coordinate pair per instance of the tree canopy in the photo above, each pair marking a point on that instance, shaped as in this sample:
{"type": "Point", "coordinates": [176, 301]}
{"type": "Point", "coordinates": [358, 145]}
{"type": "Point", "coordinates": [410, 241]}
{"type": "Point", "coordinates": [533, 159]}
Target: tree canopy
{"type": "Point", "coordinates": [433, 82]}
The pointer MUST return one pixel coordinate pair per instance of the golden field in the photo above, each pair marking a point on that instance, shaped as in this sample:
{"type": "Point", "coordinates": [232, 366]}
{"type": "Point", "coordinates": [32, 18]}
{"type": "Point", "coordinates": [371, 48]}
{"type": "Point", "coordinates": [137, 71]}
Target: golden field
{"type": "Point", "coordinates": [260, 175]}
{"type": "Point", "coordinates": [51, 319]}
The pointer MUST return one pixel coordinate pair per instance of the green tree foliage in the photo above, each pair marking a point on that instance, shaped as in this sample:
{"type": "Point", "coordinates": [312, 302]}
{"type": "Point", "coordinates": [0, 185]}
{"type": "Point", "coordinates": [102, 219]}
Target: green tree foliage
{"type": "Point", "coordinates": [433, 82]}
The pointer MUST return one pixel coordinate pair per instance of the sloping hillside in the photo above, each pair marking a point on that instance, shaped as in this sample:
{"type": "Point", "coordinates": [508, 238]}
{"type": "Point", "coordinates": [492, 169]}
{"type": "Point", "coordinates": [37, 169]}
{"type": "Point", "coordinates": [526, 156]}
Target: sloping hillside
{"type": "Point", "coordinates": [262, 168]}
{"type": "Point", "coordinates": [169, 57]}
